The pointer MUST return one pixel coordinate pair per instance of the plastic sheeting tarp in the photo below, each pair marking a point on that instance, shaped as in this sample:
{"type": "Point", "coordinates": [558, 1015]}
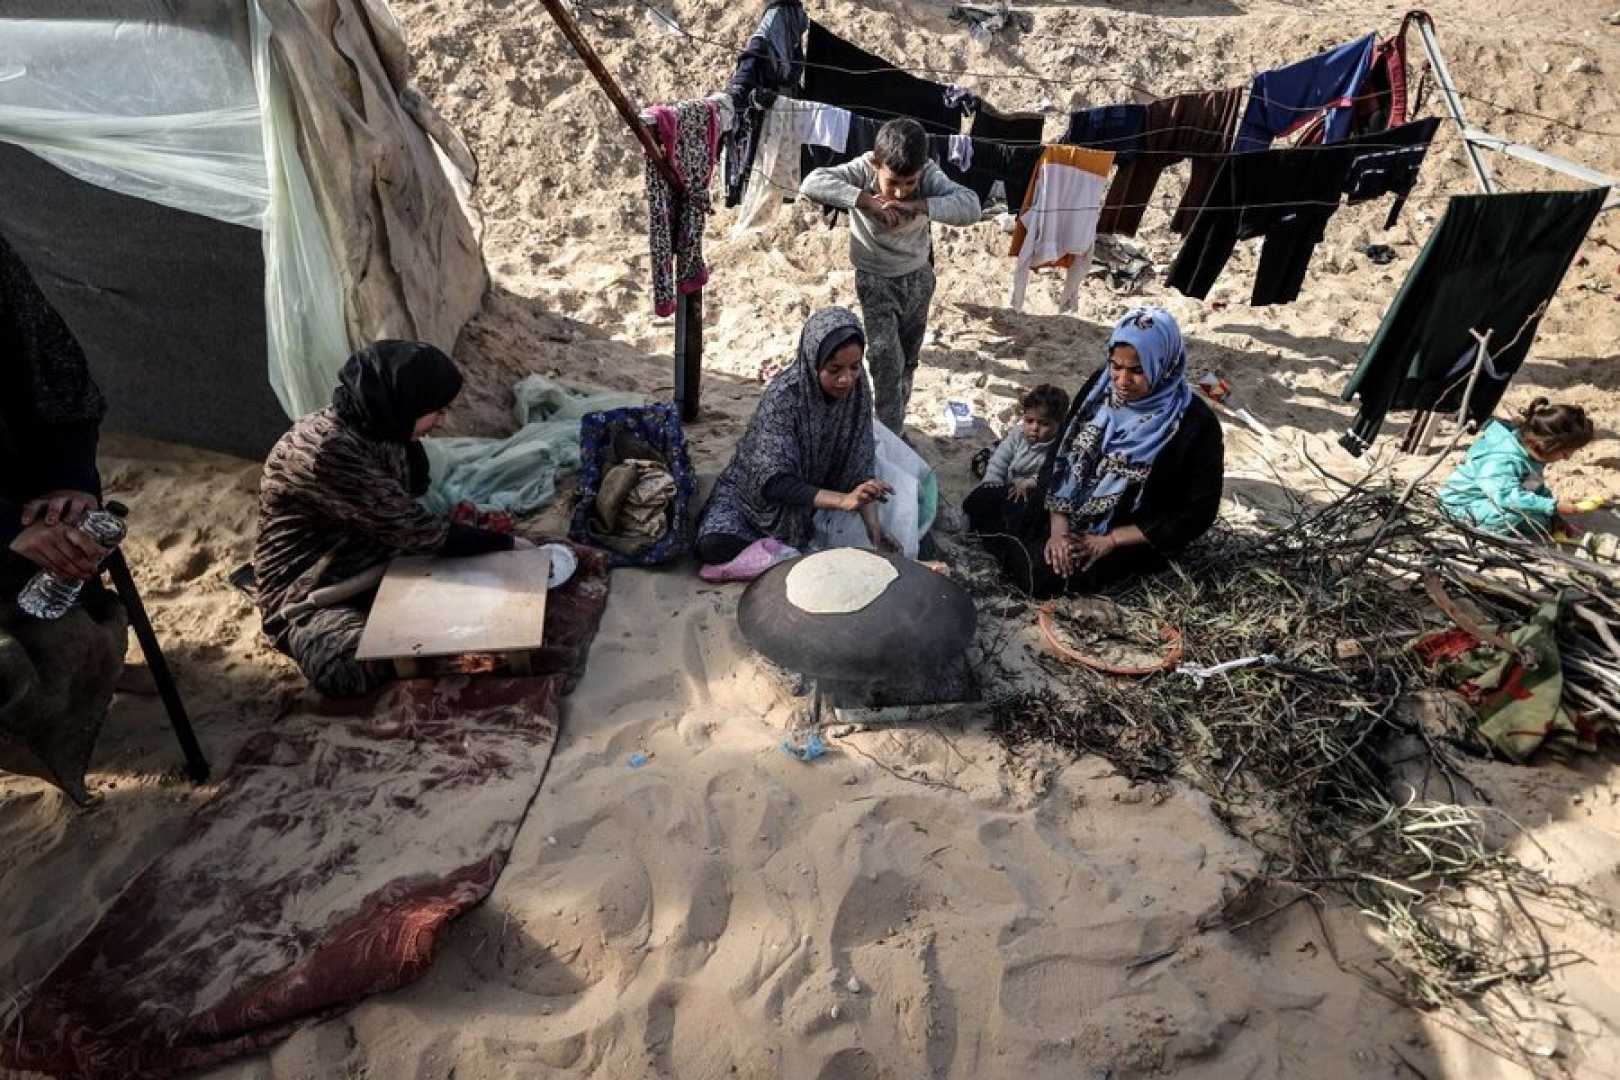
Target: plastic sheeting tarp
{"type": "Point", "coordinates": [295, 117]}
{"type": "Point", "coordinates": [164, 111]}
{"type": "Point", "coordinates": [518, 474]}
{"type": "Point", "coordinates": [184, 108]}
{"type": "Point", "coordinates": [409, 262]}
{"type": "Point", "coordinates": [303, 294]}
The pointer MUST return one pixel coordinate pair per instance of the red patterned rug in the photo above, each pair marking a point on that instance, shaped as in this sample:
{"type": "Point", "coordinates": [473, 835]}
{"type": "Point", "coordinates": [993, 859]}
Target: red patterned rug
{"type": "Point", "coordinates": [336, 851]}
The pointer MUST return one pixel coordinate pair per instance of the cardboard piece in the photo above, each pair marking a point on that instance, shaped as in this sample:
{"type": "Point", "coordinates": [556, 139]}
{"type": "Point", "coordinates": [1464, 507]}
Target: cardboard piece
{"type": "Point", "coordinates": [435, 607]}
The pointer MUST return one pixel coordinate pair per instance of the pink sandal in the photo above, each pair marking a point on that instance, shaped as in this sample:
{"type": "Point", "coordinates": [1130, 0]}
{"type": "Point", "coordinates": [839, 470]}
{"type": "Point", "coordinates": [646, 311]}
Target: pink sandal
{"type": "Point", "coordinates": [754, 560]}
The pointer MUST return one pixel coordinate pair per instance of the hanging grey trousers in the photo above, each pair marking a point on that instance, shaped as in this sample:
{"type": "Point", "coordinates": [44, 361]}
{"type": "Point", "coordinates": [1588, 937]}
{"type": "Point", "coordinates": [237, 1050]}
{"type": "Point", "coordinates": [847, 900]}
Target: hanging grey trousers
{"type": "Point", "coordinates": [895, 311]}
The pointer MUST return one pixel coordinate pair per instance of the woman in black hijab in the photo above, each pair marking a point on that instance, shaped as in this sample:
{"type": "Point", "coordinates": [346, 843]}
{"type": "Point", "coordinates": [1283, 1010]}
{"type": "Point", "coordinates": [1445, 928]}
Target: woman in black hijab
{"type": "Point", "coordinates": [339, 498]}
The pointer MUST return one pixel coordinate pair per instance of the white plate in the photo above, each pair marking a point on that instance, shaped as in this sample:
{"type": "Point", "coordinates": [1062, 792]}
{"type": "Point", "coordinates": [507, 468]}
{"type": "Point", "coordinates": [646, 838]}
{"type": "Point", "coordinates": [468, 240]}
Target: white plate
{"type": "Point", "coordinates": [563, 564]}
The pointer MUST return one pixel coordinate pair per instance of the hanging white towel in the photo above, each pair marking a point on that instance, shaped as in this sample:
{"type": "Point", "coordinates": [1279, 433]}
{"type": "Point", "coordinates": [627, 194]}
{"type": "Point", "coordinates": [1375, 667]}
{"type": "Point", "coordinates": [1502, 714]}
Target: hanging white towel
{"type": "Point", "coordinates": [822, 125]}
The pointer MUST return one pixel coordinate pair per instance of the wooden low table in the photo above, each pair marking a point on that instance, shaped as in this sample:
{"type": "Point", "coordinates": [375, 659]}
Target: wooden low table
{"type": "Point", "coordinates": [430, 608]}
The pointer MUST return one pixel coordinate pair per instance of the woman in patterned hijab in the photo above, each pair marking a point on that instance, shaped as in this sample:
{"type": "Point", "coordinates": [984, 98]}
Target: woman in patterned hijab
{"type": "Point", "coordinates": [1131, 413]}
{"type": "Point", "coordinates": [1136, 474]}
{"type": "Point", "coordinates": [808, 447]}
{"type": "Point", "coordinates": [338, 498]}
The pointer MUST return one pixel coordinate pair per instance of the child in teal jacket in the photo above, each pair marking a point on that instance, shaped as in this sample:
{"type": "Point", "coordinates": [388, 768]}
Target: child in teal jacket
{"type": "Point", "coordinates": [1499, 486]}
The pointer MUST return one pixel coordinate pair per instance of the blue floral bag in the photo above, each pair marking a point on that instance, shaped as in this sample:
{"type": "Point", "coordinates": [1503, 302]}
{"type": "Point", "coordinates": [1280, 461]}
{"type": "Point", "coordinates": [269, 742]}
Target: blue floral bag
{"type": "Point", "coordinates": [659, 426]}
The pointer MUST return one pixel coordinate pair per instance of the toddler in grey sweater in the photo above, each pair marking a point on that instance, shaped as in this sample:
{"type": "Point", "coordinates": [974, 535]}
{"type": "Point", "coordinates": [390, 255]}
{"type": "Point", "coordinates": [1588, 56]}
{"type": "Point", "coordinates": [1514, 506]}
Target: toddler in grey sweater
{"type": "Point", "coordinates": [1015, 467]}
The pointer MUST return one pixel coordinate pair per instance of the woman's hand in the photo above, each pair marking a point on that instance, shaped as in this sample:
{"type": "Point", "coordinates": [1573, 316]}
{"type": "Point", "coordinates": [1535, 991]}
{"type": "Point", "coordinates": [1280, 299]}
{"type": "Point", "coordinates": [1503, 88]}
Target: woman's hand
{"type": "Point", "coordinates": [1093, 546]}
{"type": "Point", "coordinates": [59, 506]}
{"type": "Point", "coordinates": [63, 549]}
{"type": "Point", "coordinates": [866, 493]}
{"type": "Point", "coordinates": [1060, 554]}
{"type": "Point", "coordinates": [882, 541]}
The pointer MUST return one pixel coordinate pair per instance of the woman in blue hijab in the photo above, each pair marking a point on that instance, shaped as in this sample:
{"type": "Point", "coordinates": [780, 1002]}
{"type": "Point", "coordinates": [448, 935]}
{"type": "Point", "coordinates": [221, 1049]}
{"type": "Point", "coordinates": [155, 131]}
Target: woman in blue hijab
{"type": "Point", "coordinates": [1135, 476]}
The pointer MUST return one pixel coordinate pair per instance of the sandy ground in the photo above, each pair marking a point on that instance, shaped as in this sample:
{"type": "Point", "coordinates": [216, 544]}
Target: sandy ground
{"type": "Point", "coordinates": [917, 904]}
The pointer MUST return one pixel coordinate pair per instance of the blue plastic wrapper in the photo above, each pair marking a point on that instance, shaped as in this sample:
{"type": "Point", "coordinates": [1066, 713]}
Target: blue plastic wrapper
{"type": "Point", "coordinates": [812, 748]}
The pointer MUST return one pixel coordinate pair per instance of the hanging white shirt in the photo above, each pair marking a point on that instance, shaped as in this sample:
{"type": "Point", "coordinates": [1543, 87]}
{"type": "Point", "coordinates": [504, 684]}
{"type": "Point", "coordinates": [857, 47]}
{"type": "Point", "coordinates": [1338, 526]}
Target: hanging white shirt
{"type": "Point", "coordinates": [788, 125]}
{"type": "Point", "coordinates": [1058, 223]}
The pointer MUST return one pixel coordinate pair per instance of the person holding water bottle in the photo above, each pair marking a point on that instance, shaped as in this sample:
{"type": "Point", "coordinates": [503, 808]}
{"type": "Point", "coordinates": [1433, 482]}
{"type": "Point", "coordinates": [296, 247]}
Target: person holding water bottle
{"type": "Point", "coordinates": [56, 674]}
{"type": "Point", "coordinates": [50, 420]}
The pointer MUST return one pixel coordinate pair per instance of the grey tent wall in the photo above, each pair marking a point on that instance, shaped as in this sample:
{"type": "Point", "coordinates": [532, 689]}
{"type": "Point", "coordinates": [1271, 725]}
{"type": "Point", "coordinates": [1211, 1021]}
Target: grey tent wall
{"type": "Point", "coordinates": [168, 305]}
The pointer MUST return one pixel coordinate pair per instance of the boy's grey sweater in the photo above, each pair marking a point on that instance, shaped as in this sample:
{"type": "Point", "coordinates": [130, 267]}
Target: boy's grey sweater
{"type": "Point", "coordinates": [873, 246]}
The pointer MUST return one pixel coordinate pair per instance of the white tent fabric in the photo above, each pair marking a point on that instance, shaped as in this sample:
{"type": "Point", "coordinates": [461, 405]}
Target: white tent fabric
{"type": "Point", "coordinates": [171, 113]}
{"type": "Point", "coordinates": [192, 116]}
{"type": "Point", "coordinates": [224, 109]}
{"type": "Point", "coordinates": [303, 296]}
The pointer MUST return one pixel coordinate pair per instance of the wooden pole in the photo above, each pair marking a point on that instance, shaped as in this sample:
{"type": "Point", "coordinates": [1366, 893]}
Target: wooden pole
{"type": "Point", "coordinates": [688, 353]}
{"type": "Point", "coordinates": [570, 30]}
{"type": "Point", "coordinates": [688, 306]}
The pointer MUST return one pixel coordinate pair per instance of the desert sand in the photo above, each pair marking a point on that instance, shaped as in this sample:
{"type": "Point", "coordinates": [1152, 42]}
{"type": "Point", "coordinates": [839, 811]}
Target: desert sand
{"type": "Point", "coordinates": [918, 903]}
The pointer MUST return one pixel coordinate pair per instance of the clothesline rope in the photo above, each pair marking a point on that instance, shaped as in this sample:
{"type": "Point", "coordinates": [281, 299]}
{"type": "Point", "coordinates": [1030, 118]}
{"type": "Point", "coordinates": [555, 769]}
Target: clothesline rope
{"type": "Point", "coordinates": [734, 48]}
{"type": "Point", "coordinates": [987, 76]}
{"type": "Point", "coordinates": [804, 105]}
{"type": "Point", "coordinates": [1168, 204]}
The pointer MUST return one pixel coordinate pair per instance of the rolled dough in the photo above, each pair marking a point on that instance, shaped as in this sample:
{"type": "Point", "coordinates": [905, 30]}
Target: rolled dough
{"type": "Point", "coordinates": [838, 582]}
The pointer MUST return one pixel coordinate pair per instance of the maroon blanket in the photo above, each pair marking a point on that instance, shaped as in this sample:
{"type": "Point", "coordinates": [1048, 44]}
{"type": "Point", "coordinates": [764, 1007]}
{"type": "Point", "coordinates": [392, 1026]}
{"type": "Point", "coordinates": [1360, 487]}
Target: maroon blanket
{"type": "Point", "coordinates": [336, 850]}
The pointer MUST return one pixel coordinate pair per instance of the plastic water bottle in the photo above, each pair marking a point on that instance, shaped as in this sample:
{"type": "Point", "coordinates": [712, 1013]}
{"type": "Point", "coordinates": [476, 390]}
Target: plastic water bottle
{"type": "Point", "coordinates": [48, 595]}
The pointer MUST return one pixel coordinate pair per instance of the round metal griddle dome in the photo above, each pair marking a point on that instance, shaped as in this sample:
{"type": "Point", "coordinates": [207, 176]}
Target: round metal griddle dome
{"type": "Point", "coordinates": [921, 622]}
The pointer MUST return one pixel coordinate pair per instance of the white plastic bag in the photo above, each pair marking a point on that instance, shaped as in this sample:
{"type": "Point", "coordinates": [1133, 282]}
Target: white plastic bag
{"type": "Point", "coordinates": [899, 466]}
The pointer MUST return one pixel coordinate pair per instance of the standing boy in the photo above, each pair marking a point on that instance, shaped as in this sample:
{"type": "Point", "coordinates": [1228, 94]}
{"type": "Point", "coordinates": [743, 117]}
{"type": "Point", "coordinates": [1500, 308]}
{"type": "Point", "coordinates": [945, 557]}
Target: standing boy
{"type": "Point", "coordinates": [892, 194]}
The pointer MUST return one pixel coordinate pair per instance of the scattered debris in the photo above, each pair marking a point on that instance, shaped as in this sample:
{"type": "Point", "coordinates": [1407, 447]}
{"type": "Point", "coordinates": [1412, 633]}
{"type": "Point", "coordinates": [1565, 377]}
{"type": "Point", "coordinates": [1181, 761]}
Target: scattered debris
{"type": "Point", "coordinates": [1323, 759]}
{"type": "Point", "coordinates": [1200, 674]}
{"type": "Point", "coordinates": [637, 760]}
{"type": "Point", "coordinates": [985, 20]}
{"type": "Point", "coordinates": [1214, 385]}
{"type": "Point", "coordinates": [1126, 265]}
{"type": "Point", "coordinates": [663, 23]}
{"type": "Point", "coordinates": [805, 747]}
{"type": "Point", "coordinates": [1378, 254]}
{"type": "Point", "coordinates": [853, 986]}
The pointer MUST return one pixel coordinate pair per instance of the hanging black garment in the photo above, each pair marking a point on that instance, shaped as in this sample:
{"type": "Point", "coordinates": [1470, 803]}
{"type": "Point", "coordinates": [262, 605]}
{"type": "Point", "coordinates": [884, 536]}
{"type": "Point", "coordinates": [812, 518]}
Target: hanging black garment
{"type": "Point", "coordinates": [1014, 128]}
{"type": "Point", "coordinates": [1013, 164]}
{"type": "Point", "coordinates": [742, 142]}
{"type": "Point", "coordinates": [1287, 196]}
{"type": "Point", "coordinates": [772, 62]}
{"type": "Point", "coordinates": [838, 73]}
{"type": "Point", "coordinates": [1284, 195]}
{"type": "Point", "coordinates": [1116, 128]}
{"type": "Point", "coordinates": [1492, 265]}
{"type": "Point", "coordinates": [1392, 168]}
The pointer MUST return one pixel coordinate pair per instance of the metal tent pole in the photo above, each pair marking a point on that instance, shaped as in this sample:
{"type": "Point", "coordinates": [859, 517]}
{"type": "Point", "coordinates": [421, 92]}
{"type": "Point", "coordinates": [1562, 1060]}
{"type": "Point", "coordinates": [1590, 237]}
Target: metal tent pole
{"type": "Point", "coordinates": [1442, 74]}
